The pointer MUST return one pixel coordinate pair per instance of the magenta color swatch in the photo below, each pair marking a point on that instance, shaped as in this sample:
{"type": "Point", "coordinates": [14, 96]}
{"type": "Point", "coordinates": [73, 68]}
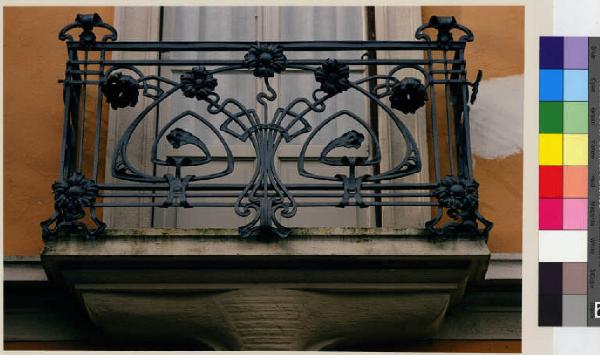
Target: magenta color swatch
{"type": "Point", "coordinates": [575, 213]}
{"type": "Point", "coordinates": [576, 53]}
{"type": "Point", "coordinates": [551, 214]}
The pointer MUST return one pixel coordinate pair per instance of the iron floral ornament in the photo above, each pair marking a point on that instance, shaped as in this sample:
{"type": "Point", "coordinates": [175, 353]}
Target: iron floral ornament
{"type": "Point", "coordinates": [333, 77]}
{"type": "Point", "coordinates": [71, 197]}
{"type": "Point", "coordinates": [456, 193]}
{"type": "Point", "coordinates": [408, 95]}
{"type": "Point", "coordinates": [461, 198]}
{"type": "Point", "coordinates": [198, 83]}
{"type": "Point", "coordinates": [121, 90]}
{"type": "Point", "coordinates": [266, 59]}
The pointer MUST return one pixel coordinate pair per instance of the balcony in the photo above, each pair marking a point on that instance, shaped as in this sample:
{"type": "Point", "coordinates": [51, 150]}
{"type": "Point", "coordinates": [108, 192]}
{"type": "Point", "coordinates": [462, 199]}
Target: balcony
{"type": "Point", "coordinates": [267, 284]}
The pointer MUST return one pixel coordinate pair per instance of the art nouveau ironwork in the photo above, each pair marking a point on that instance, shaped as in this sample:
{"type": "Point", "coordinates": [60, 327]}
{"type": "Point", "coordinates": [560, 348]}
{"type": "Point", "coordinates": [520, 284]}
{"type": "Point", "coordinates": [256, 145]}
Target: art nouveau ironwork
{"type": "Point", "coordinates": [266, 199]}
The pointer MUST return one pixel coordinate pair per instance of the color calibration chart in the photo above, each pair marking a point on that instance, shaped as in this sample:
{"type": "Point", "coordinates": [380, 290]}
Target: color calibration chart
{"type": "Point", "coordinates": [569, 164]}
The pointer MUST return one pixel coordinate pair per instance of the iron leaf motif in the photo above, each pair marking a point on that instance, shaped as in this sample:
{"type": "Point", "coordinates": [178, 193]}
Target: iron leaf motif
{"type": "Point", "coordinates": [350, 139]}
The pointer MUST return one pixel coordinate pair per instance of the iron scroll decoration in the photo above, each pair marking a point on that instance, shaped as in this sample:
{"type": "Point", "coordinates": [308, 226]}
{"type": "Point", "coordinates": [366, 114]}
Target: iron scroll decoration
{"type": "Point", "coordinates": [266, 199]}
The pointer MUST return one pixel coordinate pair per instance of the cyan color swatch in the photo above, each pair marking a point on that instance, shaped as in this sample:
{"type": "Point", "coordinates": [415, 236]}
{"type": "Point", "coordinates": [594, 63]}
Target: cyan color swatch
{"type": "Point", "coordinates": [551, 85]}
{"type": "Point", "coordinates": [575, 85]}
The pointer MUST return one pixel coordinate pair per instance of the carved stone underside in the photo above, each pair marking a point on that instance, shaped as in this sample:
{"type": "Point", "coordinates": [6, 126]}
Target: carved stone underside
{"type": "Point", "coordinates": [325, 289]}
{"type": "Point", "coordinates": [263, 318]}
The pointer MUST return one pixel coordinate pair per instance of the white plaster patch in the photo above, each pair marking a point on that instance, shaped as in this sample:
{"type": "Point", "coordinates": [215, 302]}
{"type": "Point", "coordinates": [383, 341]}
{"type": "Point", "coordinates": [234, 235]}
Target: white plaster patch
{"type": "Point", "coordinates": [497, 118]}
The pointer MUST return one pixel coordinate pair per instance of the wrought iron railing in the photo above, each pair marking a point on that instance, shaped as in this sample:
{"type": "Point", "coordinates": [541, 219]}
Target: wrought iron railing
{"type": "Point", "coordinates": [356, 179]}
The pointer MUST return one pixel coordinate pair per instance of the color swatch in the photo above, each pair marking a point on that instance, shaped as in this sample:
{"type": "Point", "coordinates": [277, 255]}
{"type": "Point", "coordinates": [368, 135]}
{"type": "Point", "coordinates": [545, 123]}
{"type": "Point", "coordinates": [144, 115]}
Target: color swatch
{"type": "Point", "coordinates": [568, 133]}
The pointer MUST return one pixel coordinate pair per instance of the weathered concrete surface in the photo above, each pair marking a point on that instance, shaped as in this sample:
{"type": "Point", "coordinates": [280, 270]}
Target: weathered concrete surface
{"type": "Point", "coordinates": [321, 288]}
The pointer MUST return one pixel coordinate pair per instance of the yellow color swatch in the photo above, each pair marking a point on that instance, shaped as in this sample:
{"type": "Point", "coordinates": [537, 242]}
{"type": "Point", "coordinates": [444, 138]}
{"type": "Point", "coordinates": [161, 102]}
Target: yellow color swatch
{"type": "Point", "coordinates": [551, 149]}
{"type": "Point", "coordinates": [576, 149]}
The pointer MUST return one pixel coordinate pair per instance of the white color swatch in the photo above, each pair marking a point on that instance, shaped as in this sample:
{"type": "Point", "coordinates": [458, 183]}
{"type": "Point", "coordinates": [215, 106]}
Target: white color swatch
{"type": "Point", "coordinates": [563, 246]}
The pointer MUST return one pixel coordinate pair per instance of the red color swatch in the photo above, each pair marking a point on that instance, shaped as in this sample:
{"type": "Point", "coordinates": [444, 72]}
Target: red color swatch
{"type": "Point", "coordinates": [551, 181]}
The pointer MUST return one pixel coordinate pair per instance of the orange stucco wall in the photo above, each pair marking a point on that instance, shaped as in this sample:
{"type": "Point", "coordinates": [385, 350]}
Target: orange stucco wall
{"type": "Point", "coordinates": [498, 50]}
{"type": "Point", "coordinates": [34, 59]}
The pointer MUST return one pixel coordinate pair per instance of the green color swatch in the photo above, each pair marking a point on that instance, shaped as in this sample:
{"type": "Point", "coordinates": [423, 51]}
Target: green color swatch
{"type": "Point", "coordinates": [551, 117]}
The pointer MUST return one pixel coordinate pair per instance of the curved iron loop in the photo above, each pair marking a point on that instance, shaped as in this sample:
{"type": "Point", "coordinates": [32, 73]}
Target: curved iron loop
{"type": "Point", "coordinates": [142, 80]}
{"type": "Point", "coordinates": [265, 193]}
{"type": "Point", "coordinates": [178, 137]}
{"type": "Point", "coordinates": [87, 22]}
{"type": "Point", "coordinates": [121, 165]}
{"type": "Point", "coordinates": [411, 161]}
{"type": "Point", "coordinates": [443, 25]}
{"type": "Point", "coordinates": [475, 87]}
{"type": "Point", "coordinates": [349, 139]}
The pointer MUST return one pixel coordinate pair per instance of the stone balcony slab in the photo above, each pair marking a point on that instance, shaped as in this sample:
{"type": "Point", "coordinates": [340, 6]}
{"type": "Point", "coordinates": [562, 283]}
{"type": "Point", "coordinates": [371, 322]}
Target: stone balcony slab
{"type": "Point", "coordinates": [322, 288]}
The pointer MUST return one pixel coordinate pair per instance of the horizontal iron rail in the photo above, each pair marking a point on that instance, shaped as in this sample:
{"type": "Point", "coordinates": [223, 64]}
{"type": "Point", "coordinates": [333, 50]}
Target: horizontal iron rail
{"type": "Point", "coordinates": [244, 46]}
{"type": "Point", "coordinates": [229, 187]}
{"type": "Point", "coordinates": [435, 81]}
{"type": "Point", "coordinates": [188, 62]}
{"type": "Point", "coordinates": [271, 194]}
{"type": "Point", "coordinates": [298, 204]}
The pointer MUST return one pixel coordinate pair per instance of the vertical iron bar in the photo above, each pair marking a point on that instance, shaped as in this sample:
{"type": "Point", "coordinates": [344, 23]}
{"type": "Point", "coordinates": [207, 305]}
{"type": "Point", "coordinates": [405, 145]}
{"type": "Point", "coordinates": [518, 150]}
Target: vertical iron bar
{"type": "Point", "coordinates": [374, 119]}
{"type": "Point", "coordinates": [64, 149]}
{"type": "Point", "coordinates": [157, 122]}
{"type": "Point", "coordinates": [459, 107]}
{"type": "Point", "coordinates": [434, 128]}
{"type": "Point", "coordinates": [83, 94]}
{"type": "Point", "coordinates": [98, 119]}
{"type": "Point", "coordinates": [73, 121]}
{"type": "Point", "coordinates": [466, 127]}
{"type": "Point", "coordinates": [448, 119]}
